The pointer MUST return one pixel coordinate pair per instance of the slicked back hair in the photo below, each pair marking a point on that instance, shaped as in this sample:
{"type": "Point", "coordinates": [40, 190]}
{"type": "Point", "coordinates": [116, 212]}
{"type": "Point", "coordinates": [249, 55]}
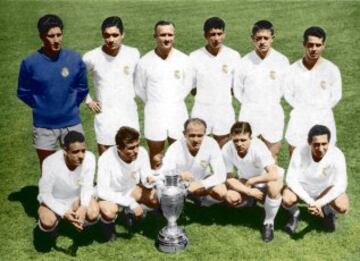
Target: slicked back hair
{"type": "Point", "coordinates": [112, 21]}
{"type": "Point", "coordinates": [214, 23]}
{"type": "Point", "coordinates": [194, 120]}
{"type": "Point", "coordinates": [241, 127]}
{"type": "Point", "coordinates": [72, 137]}
{"type": "Point", "coordinates": [318, 130]}
{"type": "Point", "coordinates": [314, 31]}
{"type": "Point", "coordinates": [126, 135]}
{"type": "Point", "coordinates": [163, 22]}
{"type": "Point", "coordinates": [263, 25]}
{"type": "Point", "coordinates": [49, 21]}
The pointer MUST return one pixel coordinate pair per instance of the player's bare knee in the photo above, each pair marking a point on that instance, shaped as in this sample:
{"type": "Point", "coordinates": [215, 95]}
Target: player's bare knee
{"type": "Point", "coordinates": [48, 221]}
{"type": "Point", "coordinates": [219, 191]}
{"type": "Point", "coordinates": [107, 213]}
{"type": "Point", "coordinates": [232, 197]}
{"type": "Point", "coordinates": [274, 189]}
{"type": "Point", "coordinates": [92, 212]}
{"type": "Point", "coordinates": [341, 207]}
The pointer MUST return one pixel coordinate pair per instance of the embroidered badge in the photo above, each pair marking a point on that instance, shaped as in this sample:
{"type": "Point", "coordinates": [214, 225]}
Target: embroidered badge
{"type": "Point", "coordinates": [65, 72]}
{"type": "Point", "coordinates": [80, 182]}
{"type": "Point", "coordinates": [225, 68]}
{"type": "Point", "coordinates": [272, 75]}
{"type": "Point", "coordinates": [177, 74]}
{"type": "Point", "coordinates": [323, 84]}
{"type": "Point", "coordinates": [126, 70]}
{"type": "Point", "coordinates": [204, 163]}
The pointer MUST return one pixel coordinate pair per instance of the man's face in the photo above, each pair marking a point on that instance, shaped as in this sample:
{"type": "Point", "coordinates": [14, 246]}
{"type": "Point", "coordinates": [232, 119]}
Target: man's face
{"type": "Point", "coordinates": [74, 154]}
{"type": "Point", "coordinates": [215, 37]}
{"type": "Point", "coordinates": [313, 47]}
{"type": "Point", "coordinates": [130, 152]}
{"type": "Point", "coordinates": [194, 135]}
{"type": "Point", "coordinates": [112, 38]}
{"type": "Point", "coordinates": [262, 40]}
{"type": "Point", "coordinates": [52, 40]}
{"type": "Point", "coordinates": [165, 37]}
{"type": "Point", "coordinates": [242, 143]}
{"type": "Point", "coordinates": [319, 146]}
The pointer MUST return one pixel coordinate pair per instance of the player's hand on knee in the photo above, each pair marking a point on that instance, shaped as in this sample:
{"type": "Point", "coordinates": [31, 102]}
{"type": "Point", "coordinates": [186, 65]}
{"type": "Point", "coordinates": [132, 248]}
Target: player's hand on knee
{"type": "Point", "coordinates": [196, 186]}
{"type": "Point", "coordinates": [186, 176]}
{"type": "Point", "coordinates": [256, 193]}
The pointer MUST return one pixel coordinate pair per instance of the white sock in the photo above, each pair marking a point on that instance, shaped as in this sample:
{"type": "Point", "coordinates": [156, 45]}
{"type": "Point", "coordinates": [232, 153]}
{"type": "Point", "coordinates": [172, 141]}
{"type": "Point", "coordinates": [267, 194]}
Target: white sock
{"type": "Point", "coordinates": [271, 206]}
{"type": "Point", "coordinates": [294, 210]}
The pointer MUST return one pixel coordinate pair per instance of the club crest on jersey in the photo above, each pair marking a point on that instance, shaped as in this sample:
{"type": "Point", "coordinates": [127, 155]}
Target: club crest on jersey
{"type": "Point", "coordinates": [225, 68]}
{"type": "Point", "coordinates": [126, 70]}
{"type": "Point", "coordinates": [204, 163]}
{"type": "Point", "coordinates": [177, 74]}
{"type": "Point", "coordinates": [323, 84]}
{"type": "Point", "coordinates": [65, 72]}
{"type": "Point", "coordinates": [80, 182]}
{"type": "Point", "coordinates": [272, 75]}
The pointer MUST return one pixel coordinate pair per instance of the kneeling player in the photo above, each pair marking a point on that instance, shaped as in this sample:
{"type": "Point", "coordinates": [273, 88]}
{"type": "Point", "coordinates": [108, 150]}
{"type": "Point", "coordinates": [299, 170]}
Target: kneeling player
{"type": "Point", "coordinates": [194, 156]}
{"type": "Point", "coordinates": [316, 175]}
{"type": "Point", "coordinates": [66, 188]}
{"type": "Point", "coordinates": [257, 178]}
{"type": "Point", "coordinates": [122, 171]}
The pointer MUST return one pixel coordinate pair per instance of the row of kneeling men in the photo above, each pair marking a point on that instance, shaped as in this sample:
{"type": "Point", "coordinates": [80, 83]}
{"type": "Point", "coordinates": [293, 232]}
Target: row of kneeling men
{"type": "Point", "coordinates": [125, 181]}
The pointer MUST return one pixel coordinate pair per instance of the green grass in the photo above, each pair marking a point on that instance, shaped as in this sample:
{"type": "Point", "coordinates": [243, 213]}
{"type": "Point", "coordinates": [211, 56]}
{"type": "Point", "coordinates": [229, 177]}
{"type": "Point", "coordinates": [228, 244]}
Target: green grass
{"type": "Point", "coordinates": [217, 232]}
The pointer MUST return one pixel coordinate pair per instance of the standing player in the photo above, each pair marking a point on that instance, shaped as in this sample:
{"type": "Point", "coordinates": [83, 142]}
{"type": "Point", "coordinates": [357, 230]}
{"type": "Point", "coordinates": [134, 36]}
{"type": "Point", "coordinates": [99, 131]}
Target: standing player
{"type": "Point", "coordinates": [194, 156]}
{"type": "Point", "coordinates": [163, 79]}
{"type": "Point", "coordinates": [113, 65]}
{"type": "Point", "coordinates": [258, 177]}
{"type": "Point", "coordinates": [123, 171]}
{"type": "Point", "coordinates": [66, 189]}
{"type": "Point", "coordinates": [52, 81]}
{"type": "Point", "coordinates": [313, 88]}
{"type": "Point", "coordinates": [317, 176]}
{"type": "Point", "coordinates": [214, 67]}
{"type": "Point", "coordinates": [258, 86]}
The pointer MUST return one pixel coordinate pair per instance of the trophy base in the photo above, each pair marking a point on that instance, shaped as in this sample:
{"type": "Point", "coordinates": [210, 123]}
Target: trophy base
{"type": "Point", "coordinates": [171, 243]}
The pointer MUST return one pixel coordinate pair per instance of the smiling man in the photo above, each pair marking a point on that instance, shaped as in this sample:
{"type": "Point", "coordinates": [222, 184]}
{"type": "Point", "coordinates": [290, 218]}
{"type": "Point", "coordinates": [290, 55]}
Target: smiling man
{"type": "Point", "coordinates": [312, 88]}
{"type": "Point", "coordinates": [163, 80]}
{"type": "Point", "coordinates": [52, 81]}
{"type": "Point", "coordinates": [124, 180]}
{"type": "Point", "coordinates": [214, 67]}
{"type": "Point", "coordinates": [198, 160]}
{"type": "Point", "coordinates": [113, 66]}
{"type": "Point", "coordinates": [258, 86]}
{"type": "Point", "coordinates": [66, 190]}
{"type": "Point", "coordinates": [317, 176]}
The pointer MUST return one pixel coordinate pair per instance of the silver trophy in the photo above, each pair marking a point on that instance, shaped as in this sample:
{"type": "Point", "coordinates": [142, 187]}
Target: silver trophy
{"type": "Point", "coordinates": [171, 193]}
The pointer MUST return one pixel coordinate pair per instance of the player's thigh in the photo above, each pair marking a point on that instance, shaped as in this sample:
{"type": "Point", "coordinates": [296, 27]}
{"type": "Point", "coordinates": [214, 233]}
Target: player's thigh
{"type": "Point", "coordinates": [341, 203]}
{"type": "Point", "coordinates": [47, 217]}
{"type": "Point", "coordinates": [218, 191]}
{"type": "Point", "coordinates": [289, 197]}
{"type": "Point", "coordinates": [93, 209]}
{"type": "Point", "coordinates": [108, 208]}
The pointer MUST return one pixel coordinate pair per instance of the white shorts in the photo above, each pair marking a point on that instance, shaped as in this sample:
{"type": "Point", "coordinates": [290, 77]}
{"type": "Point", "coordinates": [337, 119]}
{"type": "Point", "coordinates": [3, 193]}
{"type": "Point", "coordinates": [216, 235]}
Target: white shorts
{"type": "Point", "coordinates": [162, 120]}
{"type": "Point", "coordinates": [218, 118]}
{"type": "Point", "coordinates": [280, 170]}
{"type": "Point", "coordinates": [267, 121]}
{"type": "Point", "coordinates": [108, 122]}
{"type": "Point", "coordinates": [302, 121]}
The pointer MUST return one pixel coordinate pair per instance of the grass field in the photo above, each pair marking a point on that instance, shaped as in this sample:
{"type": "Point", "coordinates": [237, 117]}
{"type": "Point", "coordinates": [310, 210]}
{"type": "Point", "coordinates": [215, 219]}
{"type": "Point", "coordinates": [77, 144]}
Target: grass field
{"type": "Point", "coordinates": [215, 233]}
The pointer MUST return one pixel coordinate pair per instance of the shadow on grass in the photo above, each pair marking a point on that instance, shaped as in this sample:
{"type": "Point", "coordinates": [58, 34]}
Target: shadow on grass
{"type": "Point", "coordinates": [27, 197]}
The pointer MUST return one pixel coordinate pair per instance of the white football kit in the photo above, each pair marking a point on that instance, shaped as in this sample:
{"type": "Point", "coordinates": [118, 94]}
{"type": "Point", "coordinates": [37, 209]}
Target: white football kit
{"type": "Point", "coordinates": [206, 166]}
{"type": "Point", "coordinates": [60, 188]}
{"type": "Point", "coordinates": [163, 86]}
{"type": "Point", "coordinates": [308, 179]}
{"type": "Point", "coordinates": [117, 179]}
{"type": "Point", "coordinates": [114, 87]}
{"type": "Point", "coordinates": [258, 87]}
{"type": "Point", "coordinates": [312, 94]}
{"type": "Point", "coordinates": [213, 79]}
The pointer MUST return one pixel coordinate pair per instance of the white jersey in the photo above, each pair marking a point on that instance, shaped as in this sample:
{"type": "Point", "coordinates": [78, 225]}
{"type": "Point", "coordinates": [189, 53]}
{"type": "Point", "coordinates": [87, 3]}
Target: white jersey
{"type": "Point", "coordinates": [308, 179]}
{"type": "Point", "coordinates": [214, 75]}
{"type": "Point", "coordinates": [116, 179]}
{"type": "Point", "coordinates": [114, 87]}
{"type": "Point", "coordinates": [252, 164]}
{"type": "Point", "coordinates": [258, 87]}
{"type": "Point", "coordinates": [60, 187]}
{"type": "Point", "coordinates": [208, 161]}
{"type": "Point", "coordinates": [312, 94]}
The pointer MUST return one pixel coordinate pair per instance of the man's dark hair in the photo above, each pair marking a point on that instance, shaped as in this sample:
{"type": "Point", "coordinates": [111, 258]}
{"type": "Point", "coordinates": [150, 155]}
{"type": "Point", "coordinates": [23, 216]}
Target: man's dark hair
{"type": "Point", "coordinates": [49, 21]}
{"type": "Point", "coordinates": [241, 127]}
{"type": "Point", "coordinates": [163, 22]}
{"type": "Point", "coordinates": [194, 120]}
{"type": "Point", "coordinates": [72, 137]}
{"type": "Point", "coordinates": [317, 130]}
{"type": "Point", "coordinates": [263, 25]}
{"type": "Point", "coordinates": [214, 23]}
{"type": "Point", "coordinates": [112, 21]}
{"type": "Point", "coordinates": [314, 31]}
{"type": "Point", "coordinates": [126, 135]}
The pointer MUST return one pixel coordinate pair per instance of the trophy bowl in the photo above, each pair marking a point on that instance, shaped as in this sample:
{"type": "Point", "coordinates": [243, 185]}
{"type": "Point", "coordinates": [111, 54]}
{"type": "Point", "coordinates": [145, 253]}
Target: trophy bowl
{"type": "Point", "coordinates": [172, 238]}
